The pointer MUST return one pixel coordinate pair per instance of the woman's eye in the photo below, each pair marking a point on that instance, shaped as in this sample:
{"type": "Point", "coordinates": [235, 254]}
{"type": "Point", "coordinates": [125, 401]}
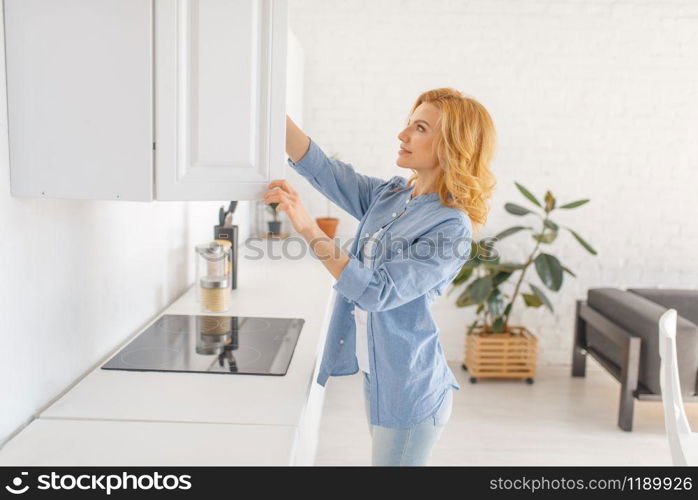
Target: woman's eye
{"type": "Point", "coordinates": [420, 127]}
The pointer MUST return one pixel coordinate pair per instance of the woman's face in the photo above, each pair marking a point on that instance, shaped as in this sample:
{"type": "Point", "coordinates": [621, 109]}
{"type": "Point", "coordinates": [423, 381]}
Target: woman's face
{"type": "Point", "coordinates": [418, 137]}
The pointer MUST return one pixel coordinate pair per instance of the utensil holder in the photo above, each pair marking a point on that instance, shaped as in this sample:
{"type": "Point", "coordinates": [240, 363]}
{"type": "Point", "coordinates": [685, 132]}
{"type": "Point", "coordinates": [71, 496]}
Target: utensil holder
{"type": "Point", "coordinates": [230, 234]}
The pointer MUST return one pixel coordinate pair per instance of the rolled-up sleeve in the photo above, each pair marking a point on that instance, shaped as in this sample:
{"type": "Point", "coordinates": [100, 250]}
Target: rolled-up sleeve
{"type": "Point", "coordinates": [435, 257]}
{"type": "Point", "coordinates": [338, 181]}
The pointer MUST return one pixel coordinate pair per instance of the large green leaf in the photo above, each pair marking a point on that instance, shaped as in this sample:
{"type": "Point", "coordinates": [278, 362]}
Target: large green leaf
{"type": "Point", "coordinates": [551, 225]}
{"type": "Point", "coordinates": [532, 300]}
{"type": "Point", "coordinates": [500, 278]}
{"type": "Point", "coordinates": [480, 289]}
{"type": "Point", "coordinates": [510, 231]}
{"type": "Point", "coordinates": [488, 264]}
{"type": "Point", "coordinates": [569, 271]}
{"type": "Point", "coordinates": [515, 209]}
{"type": "Point", "coordinates": [508, 309]}
{"type": "Point", "coordinates": [495, 302]}
{"type": "Point", "coordinates": [548, 237]}
{"type": "Point", "coordinates": [581, 241]}
{"type": "Point", "coordinates": [549, 270]}
{"type": "Point", "coordinates": [508, 267]}
{"type": "Point", "coordinates": [472, 260]}
{"type": "Point", "coordinates": [542, 297]}
{"type": "Point", "coordinates": [463, 275]}
{"type": "Point", "coordinates": [464, 299]}
{"type": "Point", "coordinates": [528, 194]}
{"type": "Point", "coordinates": [574, 204]}
{"type": "Point", "coordinates": [484, 252]}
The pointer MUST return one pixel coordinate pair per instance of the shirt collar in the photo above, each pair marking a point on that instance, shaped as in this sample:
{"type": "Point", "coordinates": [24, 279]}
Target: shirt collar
{"type": "Point", "coordinates": [407, 192]}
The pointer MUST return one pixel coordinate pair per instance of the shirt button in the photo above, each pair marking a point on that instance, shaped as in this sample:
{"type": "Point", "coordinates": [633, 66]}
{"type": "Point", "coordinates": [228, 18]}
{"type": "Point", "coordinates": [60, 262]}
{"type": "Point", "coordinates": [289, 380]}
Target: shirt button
{"type": "Point", "coordinates": [365, 234]}
{"type": "Point", "coordinates": [394, 214]}
{"type": "Point", "coordinates": [341, 341]}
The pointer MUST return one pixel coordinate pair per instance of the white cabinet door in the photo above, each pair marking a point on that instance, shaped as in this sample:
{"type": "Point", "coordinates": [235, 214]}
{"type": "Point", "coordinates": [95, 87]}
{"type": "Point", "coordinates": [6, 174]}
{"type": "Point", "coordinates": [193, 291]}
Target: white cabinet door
{"type": "Point", "coordinates": [294, 79]}
{"type": "Point", "coordinates": [80, 105]}
{"type": "Point", "coordinates": [220, 92]}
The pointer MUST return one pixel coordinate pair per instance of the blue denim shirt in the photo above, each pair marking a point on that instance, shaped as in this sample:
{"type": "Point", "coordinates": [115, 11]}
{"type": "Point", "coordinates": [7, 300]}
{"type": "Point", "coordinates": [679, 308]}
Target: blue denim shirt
{"type": "Point", "coordinates": [423, 247]}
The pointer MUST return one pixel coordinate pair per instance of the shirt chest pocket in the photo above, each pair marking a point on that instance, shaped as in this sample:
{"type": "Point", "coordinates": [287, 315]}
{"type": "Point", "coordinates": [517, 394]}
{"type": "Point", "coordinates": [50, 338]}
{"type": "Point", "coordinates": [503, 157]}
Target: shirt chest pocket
{"type": "Point", "coordinates": [387, 243]}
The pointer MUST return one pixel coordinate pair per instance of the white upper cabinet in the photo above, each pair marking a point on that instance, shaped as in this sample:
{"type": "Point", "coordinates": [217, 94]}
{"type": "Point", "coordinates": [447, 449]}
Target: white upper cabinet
{"type": "Point", "coordinates": [142, 100]}
{"type": "Point", "coordinates": [220, 98]}
{"type": "Point", "coordinates": [79, 98]}
{"type": "Point", "coordinates": [295, 65]}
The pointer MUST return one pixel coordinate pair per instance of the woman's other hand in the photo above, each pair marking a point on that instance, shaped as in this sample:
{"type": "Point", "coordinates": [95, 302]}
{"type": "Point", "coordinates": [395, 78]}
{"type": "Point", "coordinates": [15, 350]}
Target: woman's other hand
{"type": "Point", "coordinates": [280, 191]}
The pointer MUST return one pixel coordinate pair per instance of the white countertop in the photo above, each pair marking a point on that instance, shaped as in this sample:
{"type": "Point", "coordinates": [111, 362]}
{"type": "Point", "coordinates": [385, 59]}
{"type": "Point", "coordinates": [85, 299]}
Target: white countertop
{"type": "Point", "coordinates": [278, 288]}
{"type": "Point", "coordinates": [248, 405]}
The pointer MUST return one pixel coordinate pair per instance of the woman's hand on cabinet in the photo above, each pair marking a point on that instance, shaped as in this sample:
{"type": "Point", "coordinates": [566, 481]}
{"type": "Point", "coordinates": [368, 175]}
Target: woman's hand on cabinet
{"type": "Point", "coordinates": [281, 192]}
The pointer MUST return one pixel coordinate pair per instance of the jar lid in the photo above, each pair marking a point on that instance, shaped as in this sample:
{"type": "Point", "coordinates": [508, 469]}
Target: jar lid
{"type": "Point", "coordinates": [212, 251]}
{"type": "Point", "coordinates": [213, 281]}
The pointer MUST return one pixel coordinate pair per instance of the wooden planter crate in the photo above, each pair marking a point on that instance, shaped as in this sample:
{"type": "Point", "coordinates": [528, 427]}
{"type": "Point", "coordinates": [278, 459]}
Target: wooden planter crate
{"type": "Point", "coordinates": [502, 355]}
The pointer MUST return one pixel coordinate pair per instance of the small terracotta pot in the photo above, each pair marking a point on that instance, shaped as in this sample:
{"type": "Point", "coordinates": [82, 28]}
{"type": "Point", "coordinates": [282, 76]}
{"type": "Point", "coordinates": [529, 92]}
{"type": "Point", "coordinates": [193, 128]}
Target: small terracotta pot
{"type": "Point", "coordinates": [328, 225]}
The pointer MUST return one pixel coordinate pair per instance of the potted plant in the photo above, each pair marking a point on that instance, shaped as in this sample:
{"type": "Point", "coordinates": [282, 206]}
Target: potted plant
{"type": "Point", "coordinates": [494, 348]}
{"type": "Point", "coordinates": [275, 223]}
{"type": "Point", "coordinates": [328, 224]}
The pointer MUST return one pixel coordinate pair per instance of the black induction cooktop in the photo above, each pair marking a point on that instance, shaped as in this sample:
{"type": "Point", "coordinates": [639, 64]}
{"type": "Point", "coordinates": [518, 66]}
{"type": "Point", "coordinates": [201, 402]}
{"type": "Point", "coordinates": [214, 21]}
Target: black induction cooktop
{"type": "Point", "coordinates": [212, 344]}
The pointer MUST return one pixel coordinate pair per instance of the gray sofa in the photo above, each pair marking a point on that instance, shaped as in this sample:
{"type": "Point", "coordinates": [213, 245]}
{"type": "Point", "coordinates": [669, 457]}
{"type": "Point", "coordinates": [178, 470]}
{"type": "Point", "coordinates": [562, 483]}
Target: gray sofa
{"type": "Point", "coordinates": [619, 328]}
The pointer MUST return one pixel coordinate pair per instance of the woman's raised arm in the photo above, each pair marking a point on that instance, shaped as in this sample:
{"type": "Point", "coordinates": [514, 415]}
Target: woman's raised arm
{"type": "Point", "coordinates": [297, 142]}
{"type": "Point", "coordinates": [335, 179]}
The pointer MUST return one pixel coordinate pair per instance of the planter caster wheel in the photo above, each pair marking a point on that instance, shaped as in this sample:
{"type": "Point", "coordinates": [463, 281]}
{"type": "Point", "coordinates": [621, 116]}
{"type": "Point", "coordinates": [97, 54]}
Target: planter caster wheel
{"type": "Point", "coordinates": [529, 381]}
{"type": "Point", "coordinates": [473, 380]}
{"type": "Point", "coordinates": [465, 368]}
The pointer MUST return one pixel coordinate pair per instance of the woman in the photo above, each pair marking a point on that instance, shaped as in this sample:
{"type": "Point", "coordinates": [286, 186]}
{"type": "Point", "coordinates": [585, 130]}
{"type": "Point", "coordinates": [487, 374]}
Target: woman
{"type": "Point", "coordinates": [413, 238]}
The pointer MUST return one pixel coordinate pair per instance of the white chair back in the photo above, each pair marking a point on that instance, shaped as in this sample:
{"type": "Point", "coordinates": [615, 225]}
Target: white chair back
{"type": "Point", "coordinates": [676, 423]}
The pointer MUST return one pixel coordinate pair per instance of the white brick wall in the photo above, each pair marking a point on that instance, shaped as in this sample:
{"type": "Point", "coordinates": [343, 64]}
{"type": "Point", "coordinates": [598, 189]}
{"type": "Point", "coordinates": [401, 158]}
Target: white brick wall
{"type": "Point", "coordinates": [594, 99]}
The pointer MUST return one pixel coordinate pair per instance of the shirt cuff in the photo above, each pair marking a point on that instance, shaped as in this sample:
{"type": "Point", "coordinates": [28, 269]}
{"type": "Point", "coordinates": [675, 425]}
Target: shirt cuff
{"type": "Point", "coordinates": [354, 280]}
{"type": "Point", "coordinates": [311, 161]}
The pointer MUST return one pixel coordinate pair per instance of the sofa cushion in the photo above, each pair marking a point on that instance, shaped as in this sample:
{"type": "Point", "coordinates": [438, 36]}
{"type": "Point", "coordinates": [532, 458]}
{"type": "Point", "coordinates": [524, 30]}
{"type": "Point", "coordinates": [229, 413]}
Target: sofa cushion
{"type": "Point", "coordinates": [639, 316]}
{"type": "Point", "coordinates": [684, 301]}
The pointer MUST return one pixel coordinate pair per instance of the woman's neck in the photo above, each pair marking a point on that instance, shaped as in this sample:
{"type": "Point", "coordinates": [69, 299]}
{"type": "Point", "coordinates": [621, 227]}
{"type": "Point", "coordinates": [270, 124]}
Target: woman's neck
{"type": "Point", "coordinates": [420, 188]}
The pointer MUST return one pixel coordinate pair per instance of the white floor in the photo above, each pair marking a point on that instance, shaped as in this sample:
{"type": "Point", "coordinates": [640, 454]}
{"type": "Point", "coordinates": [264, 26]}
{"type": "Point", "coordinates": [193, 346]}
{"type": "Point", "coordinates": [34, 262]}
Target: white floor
{"type": "Point", "coordinates": [558, 420]}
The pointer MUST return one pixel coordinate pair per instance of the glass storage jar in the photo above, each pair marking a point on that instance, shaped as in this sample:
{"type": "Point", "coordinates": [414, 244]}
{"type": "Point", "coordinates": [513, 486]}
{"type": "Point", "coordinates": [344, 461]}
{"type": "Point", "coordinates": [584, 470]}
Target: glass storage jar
{"type": "Point", "coordinates": [213, 277]}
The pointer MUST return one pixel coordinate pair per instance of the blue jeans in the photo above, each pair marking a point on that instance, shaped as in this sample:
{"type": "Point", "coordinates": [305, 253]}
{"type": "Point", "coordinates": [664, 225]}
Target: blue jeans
{"type": "Point", "coordinates": [406, 446]}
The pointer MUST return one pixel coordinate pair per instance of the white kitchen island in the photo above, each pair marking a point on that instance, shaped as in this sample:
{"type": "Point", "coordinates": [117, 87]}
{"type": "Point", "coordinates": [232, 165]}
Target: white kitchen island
{"type": "Point", "coordinates": [115, 417]}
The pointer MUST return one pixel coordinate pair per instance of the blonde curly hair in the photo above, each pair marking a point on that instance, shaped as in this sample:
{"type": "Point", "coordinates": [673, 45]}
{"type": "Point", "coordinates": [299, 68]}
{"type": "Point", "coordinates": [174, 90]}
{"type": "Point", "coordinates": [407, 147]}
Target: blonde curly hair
{"type": "Point", "coordinates": [465, 148]}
